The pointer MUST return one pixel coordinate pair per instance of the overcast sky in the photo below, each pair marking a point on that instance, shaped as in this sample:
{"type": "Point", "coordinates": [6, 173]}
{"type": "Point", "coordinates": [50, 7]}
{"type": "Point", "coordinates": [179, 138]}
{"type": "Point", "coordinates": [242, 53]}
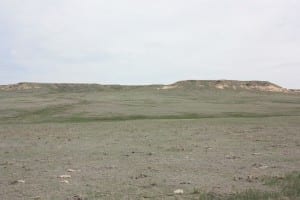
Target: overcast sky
{"type": "Point", "coordinates": [149, 41]}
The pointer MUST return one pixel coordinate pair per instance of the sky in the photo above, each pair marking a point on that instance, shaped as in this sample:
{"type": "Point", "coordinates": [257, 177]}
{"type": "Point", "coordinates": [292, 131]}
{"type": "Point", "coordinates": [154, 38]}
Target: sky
{"type": "Point", "coordinates": [149, 41]}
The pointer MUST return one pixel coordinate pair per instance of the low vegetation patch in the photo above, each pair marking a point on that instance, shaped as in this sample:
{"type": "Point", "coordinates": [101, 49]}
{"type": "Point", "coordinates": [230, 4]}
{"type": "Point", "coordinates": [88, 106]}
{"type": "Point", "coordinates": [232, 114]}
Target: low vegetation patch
{"type": "Point", "coordinates": [287, 187]}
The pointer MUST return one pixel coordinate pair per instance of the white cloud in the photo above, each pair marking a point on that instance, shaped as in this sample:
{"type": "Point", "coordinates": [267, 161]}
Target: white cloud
{"type": "Point", "coordinates": [141, 41]}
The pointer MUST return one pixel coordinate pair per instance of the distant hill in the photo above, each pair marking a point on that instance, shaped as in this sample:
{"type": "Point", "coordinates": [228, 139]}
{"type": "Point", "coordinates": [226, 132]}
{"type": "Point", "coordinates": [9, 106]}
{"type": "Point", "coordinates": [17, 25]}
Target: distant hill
{"type": "Point", "coordinates": [228, 84]}
{"type": "Point", "coordinates": [264, 86]}
{"type": "Point", "coordinates": [58, 86]}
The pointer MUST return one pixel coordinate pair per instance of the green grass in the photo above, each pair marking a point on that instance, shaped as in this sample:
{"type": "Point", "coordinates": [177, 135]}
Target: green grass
{"type": "Point", "coordinates": [52, 114]}
{"type": "Point", "coordinates": [71, 103]}
{"type": "Point", "coordinates": [245, 195]}
{"type": "Point", "coordinates": [290, 184]}
{"type": "Point", "coordinates": [288, 187]}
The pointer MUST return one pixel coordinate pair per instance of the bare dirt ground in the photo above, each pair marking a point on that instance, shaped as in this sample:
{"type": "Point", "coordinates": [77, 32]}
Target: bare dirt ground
{"type": "Point", "coordinates": [91, 157]}
{"type": "Point", "coordinates": [146, 158]}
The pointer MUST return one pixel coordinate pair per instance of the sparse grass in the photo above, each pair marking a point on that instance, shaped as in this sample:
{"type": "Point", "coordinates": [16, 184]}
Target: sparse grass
{"type": "Point", "coordinates": [164, 134]}
{"type": "Point", "coordinates": [253, 195]}
{"type": "Point", "coordinates": [48, 115]}
{"type": "Point", "coordinates": [209, 196]}
{"type": "Point", "coordinates": [122, 103]}
{"type": "Point", "coordinates": [288, 188]}
{"type": "Point", "coordinates": [196, 191]}
{"type": "Point", "coordinates": [245, 195]}
{"type": "Point", "coordinates": [290, 184]}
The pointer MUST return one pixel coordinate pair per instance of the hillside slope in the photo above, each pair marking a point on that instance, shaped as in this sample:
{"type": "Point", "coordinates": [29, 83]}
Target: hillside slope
{"type": "Point", "coordinates": [264, 86]}
{"type": "Point", "coordinates": [37, 102]}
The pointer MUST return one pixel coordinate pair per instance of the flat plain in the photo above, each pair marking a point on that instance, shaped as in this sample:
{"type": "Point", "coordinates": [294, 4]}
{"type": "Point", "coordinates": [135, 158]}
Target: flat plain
{"type": "Point", "coordinates": [80, 141]}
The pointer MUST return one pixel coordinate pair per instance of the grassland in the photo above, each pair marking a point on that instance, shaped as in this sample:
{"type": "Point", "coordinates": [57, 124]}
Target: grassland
{"type": "Point", "coordinates": [142, 142]}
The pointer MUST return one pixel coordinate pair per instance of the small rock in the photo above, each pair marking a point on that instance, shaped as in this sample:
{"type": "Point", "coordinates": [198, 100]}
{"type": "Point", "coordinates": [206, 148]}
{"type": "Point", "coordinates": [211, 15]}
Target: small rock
{"type": "Point", "coordinates": [64, 176]}
{"type": "Point", "coordinates": [65, 181]}
{"type": "Point", "coordinates": [256, 154]}
{"type": "Point", "coordinates": [279, 177]}
{"type": "Point", "coordinates": [251, 178]}
{"type": "Point", "coordinates": [16, 182]}
{"type": "Point", "coordinates": [73, 170]}
{"type": "Point", "coordinates": [141, 176]}
{"type": "Point", "coordinates": [77, 197]}
{"type": "Point", "coordinates": [260, 166]}
{"type": "Point", "coordinates": [185, 183]}
{"type": "Point", "coordinates": [178, 191]}
{"type": "Point", "coordinates": [231, 157]}
{"type": "Point", "coordinates": [237, 178]}
{"type": "Point", "coordinates": [153, 184]}
{"type": "Point", "coordinates": [263, 167]}
{"type": "Point", "coordinates": [13, 182]}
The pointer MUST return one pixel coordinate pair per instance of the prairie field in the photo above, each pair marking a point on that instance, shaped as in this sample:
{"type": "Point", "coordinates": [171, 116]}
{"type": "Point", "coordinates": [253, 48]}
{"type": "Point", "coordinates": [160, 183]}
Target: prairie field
{"type": "Point", "coordinates": [79, 141]}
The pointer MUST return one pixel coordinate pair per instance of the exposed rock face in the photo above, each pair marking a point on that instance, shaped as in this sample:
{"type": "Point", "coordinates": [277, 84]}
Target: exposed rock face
{"type": "Point", "coordinates": [228, 84]}
{"type": "Point", "coordinates": [19, 86]}
{"type": "Point", "coordinates": [168, 87]}
{"type": "Point", "coordinates": [51, 86]}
